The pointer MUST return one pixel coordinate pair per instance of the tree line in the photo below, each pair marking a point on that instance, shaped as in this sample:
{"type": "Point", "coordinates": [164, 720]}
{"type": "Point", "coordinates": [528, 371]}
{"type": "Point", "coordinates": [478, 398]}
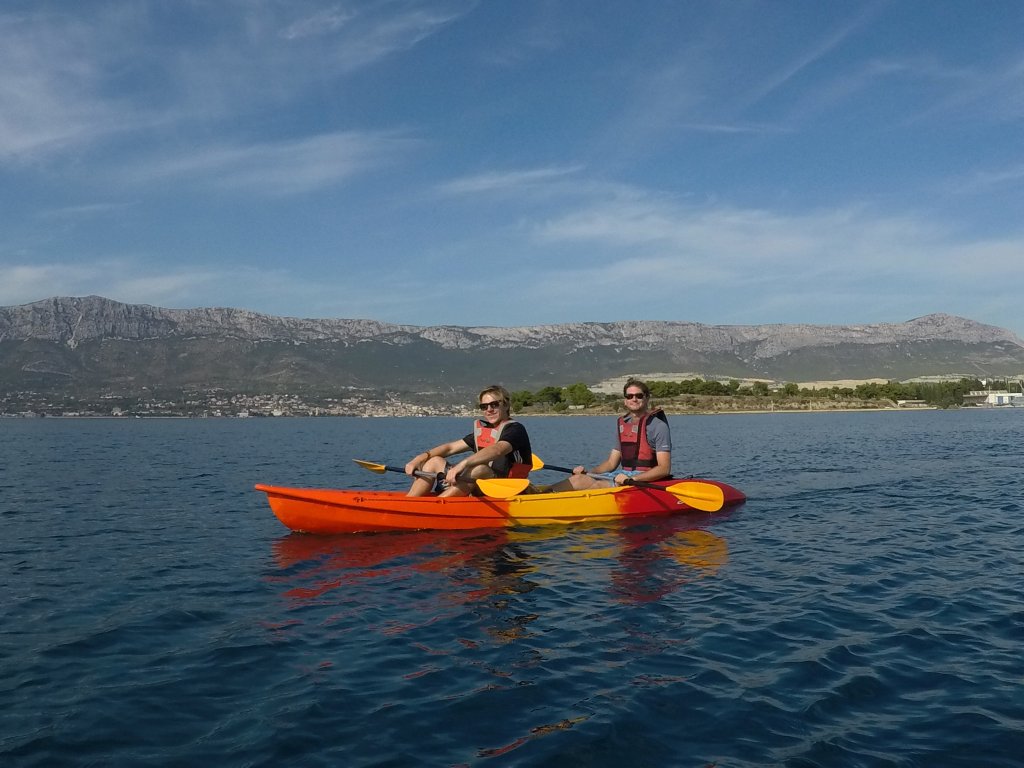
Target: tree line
{"type": "Point", "coordinates": [942, 394]}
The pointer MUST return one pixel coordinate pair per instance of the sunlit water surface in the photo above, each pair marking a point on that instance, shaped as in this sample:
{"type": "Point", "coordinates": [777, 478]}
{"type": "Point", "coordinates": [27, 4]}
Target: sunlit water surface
{"type": "Point", "coordinates": [863, 608]}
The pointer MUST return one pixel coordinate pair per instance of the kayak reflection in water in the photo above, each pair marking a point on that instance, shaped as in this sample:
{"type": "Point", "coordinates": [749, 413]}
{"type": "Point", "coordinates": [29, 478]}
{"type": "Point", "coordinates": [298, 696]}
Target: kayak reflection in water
{"type": "Point", "coordinates": [659, 560]}
{"type": "Point", "coordinates": [500, 446]}
{"type": "Point", "coordinates": [643, 446]}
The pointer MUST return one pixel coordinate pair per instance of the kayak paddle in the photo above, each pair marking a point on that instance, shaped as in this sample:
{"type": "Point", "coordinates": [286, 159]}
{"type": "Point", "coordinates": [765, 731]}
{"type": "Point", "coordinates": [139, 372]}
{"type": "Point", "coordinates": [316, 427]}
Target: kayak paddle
{"type": "Point", "coordinates": [706, 497]}
{"type": "Point", "coordinates": [538, 463]}
{"type": "Point", "coordinates": [380, 469]}
{"type": "Point", "coordinates": [696, 494]}
{"type": "Point", "coordinates": [699, 495]}
{"type": "Point", "coordinates": [502, 487]}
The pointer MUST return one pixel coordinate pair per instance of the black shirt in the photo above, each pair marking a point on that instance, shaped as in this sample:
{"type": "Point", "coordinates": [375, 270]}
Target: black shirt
{"type": "Point", "coordinates": [515, 435]}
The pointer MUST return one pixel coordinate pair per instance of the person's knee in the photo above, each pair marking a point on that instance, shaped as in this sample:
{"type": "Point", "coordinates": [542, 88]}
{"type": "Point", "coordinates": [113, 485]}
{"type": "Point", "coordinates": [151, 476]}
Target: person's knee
{"type": "Point", "coordinates": [434, 464]}
{"type": "Point", "coordinates": [480, 472]}
{"type": "Point", "coordinates": [581, 482]}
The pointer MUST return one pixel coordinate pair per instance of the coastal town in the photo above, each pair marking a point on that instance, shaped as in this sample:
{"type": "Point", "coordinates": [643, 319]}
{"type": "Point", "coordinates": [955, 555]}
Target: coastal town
{"type": "Point", "coordinates": [215, 404]}
{"type": "Point", "coordinates": [691, 396]}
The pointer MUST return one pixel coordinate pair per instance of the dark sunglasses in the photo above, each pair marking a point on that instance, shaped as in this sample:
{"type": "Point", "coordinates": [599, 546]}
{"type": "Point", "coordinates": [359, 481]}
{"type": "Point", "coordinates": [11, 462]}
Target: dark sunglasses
{"type": "Point", "coordinates": [496, 404]}
{"type": "Point", "coordinates": [635, 396]}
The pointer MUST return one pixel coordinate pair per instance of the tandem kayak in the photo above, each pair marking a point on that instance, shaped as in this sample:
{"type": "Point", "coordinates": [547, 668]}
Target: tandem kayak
{"type": "Point", "coordinates": [327, 511]}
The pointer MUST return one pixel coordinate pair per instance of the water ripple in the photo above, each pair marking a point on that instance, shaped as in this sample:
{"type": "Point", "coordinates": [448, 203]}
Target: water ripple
{"type": "Point", "coordinates": [862, 609]}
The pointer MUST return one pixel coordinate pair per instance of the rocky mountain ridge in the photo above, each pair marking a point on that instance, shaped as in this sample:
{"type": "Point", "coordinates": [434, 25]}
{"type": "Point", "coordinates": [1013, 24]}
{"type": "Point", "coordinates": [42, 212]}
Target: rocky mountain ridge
{"type": "Point", "coordinates": [73, 320]}
{"type": "Point", "coordinates": [97, 343]}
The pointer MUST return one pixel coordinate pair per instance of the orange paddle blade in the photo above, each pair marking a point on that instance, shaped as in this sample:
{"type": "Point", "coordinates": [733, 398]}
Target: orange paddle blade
{"type": "Point", "coordinates": [380, 469]}
{"type": "Point", "coordinates": [502, 487]}
{"type": "Point", "coordinates": [703, 496]}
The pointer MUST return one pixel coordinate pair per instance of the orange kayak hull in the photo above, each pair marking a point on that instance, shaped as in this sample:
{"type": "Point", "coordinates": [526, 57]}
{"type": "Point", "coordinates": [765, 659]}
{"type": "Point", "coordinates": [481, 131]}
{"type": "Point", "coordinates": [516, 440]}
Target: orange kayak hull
{"type": "Point", "coordinates": [328, 511]}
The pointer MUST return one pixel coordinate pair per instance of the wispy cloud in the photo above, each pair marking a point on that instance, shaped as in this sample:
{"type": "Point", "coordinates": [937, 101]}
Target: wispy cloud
{"type": "Point", "coordinates": [52, 72]}
{"type": "Point", "coordinates": [745, 239]}
{"type": "Point", "coordinates": [733, 128]}
{"type": "Point", "coordinates": [135, 281]}
{"type": "Point", "coordinates": [760, 161]}
{"type": "Point", "coordinates": [59, 73]}
{"type": "Point", "coordinates": [322, 22]}
{"type": "Point", "coordinates": [986, 181]}
{"type": "Point", "coordinates": [509, 180]}
{"type": "Point", "coordinates": [980, 94]}
{"type": "Point", "coordinates": [778, 78]}
{"type": "Point", "coordinates": [23, 283]}
{"type": "Point", "coordinates": [383, 36]}
{"type": "Point", "coordinates": [91, 210]}
{"type": "Point", "coordinates": [281, 168]}
{"type": "Point", "coordinates": [799, 265]}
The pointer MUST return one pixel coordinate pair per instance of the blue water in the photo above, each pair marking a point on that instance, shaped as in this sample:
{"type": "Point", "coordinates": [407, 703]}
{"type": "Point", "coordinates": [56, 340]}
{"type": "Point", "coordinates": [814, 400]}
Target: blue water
{"type": "Point", "coordinates": [863, 608]}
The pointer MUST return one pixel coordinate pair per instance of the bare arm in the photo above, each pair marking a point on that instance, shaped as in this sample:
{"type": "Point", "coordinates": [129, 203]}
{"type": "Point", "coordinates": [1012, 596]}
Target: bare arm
{"type": "Point", "coordinates": [481, 457]}
{"type": "Point", "coordinates": [662, 470]}
{"type": "Point", "coordinates": [438, 451]}
{"type": "Point", "coordinates": [613, 460]}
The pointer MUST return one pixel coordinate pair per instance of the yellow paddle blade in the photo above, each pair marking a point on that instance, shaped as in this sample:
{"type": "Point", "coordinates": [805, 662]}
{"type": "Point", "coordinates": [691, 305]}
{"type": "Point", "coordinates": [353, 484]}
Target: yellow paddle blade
{"type": "Point", "coordinates": [380, 469]}
{"type": "Point", "coordinates": [502, 487]}
{"type": "Point", "coordinates": [537, 462]}
{"type": "Point", "coordinates": [703, 496]}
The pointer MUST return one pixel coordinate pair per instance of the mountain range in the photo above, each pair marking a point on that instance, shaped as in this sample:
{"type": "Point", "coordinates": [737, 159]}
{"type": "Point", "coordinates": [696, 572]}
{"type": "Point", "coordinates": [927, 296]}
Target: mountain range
{"type": "Point", "coordinates": [95, 345]}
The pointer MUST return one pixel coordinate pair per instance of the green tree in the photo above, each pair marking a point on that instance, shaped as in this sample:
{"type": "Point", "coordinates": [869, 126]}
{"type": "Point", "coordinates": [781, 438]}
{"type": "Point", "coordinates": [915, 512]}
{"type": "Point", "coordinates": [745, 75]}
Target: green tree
{"type": "Point", "coordinates": [550, 395]}
{"type": "Point", "coordinates": [663, 389]}
{"type": "Point", "coordinates": [522, 399]}
{"type": "Point", "coordinates": [579, 394]}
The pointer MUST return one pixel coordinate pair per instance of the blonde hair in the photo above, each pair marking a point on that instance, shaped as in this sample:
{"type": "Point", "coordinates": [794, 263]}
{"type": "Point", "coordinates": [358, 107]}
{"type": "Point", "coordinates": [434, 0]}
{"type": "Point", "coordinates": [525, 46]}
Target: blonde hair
{"type": "Point", "coordinates": [500, 391]}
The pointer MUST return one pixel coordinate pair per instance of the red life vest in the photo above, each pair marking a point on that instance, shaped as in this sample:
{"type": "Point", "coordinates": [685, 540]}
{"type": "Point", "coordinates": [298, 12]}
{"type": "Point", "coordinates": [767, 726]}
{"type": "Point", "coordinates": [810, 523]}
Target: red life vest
{"type": "Point", "coordinates": [484, 435]}
{"type": "Point", "coordinates": [636, 452]}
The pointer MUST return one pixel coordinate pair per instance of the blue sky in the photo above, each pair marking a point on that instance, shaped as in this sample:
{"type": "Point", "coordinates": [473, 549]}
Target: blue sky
{"type": "Point", "coordinates": [518, 163]}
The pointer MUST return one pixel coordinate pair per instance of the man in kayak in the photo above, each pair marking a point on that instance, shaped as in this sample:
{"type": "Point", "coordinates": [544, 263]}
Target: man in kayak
{"type": "Point", "coordinates": [643, 446]}
{"type": "Point", "coordinates": [500, 446]}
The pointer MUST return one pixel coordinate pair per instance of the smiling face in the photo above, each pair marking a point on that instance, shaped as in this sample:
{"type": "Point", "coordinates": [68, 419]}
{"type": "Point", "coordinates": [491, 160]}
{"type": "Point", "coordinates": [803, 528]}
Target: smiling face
{"type": "Point", "coordinates": [493, 409]}
{"type": "Point", "coordinates": [635, 400]}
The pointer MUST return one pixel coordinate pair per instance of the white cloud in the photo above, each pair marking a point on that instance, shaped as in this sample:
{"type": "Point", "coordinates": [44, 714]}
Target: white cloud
{"type": "Point", "coordinates": [510, 180]}
{"type": "Point", "coordinates": [819, 49]}
{"type": "Point", "coordinates": [993, 93]}
{"type": "Point", "coordinates": [24, 283]}
{"type": "Point", "coordinates": [322, 22]}
{"type": "Point", "coordinates": [113, 278]}
{"type": "Point", "coordinates": [384, 36]}
{"type": "Point", "coordinates": [51, 78]}
{"type": "Point", "coordinates": [281, 168]}
{"type": "Point", "coordinates": [70, 80]}
{"type": "Point", "coordinates": [829, 241]}
{"type": "Point", "coordinates": [987, 181]}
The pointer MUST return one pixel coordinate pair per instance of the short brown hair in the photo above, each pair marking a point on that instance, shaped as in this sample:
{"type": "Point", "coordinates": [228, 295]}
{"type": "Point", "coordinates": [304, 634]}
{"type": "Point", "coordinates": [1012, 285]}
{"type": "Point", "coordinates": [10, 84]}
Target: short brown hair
{"type": "Point", "coordinates": [631, 382]}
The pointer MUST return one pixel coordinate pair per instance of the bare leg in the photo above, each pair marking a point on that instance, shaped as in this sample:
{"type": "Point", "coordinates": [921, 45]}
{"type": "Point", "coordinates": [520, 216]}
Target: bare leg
{"type": "Point", "coordinates": [579, 483]}
{"type": "Point", "coordinates": [464, 486]}
{"type": "Point", "coordinates": [420, 486]}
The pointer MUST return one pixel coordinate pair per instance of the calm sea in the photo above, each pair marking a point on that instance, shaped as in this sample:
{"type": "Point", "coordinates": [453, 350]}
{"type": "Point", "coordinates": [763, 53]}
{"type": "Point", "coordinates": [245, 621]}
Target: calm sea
{"type": "Point", "coordinates": [865, 607]}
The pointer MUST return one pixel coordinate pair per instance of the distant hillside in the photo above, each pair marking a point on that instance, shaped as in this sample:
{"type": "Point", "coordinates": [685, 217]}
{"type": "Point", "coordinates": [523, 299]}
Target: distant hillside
{"type": "Point", "coordinates": [92, 344]}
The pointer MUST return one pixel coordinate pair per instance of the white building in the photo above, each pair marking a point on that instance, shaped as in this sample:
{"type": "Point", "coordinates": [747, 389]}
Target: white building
{"type": "Point", "coordinates": [995, 397]}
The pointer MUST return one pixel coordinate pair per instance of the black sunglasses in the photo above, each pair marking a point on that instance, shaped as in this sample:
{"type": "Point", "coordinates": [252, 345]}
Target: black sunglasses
{"type": "Point", "coordinates": [635, 396]}
{"type": "Point", "coordinates": [496, 404]}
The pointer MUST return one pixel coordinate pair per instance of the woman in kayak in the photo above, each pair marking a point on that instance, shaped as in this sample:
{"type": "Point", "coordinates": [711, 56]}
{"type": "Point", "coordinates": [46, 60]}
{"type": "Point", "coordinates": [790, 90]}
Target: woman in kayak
{"type": "Point", "coordinates": [643, 445]}
{"type": "Point", "coordinates": [500, 446]}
